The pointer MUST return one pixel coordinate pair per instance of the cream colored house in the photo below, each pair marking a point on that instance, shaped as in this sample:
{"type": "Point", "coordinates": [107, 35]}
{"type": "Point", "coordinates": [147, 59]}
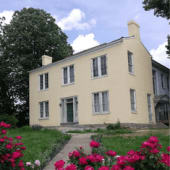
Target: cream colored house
{"type": "Point", "coordinates": [104, 84]}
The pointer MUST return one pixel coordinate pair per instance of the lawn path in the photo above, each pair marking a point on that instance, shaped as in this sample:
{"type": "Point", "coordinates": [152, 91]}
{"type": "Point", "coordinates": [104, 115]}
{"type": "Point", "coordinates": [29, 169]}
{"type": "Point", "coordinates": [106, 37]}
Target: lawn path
{"type": "Point", "coordinates": [76, 141]}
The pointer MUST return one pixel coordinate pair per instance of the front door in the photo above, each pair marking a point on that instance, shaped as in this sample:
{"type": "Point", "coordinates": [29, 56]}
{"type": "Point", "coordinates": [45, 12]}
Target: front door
{"type": "Point", "coordinates": [70, 112]}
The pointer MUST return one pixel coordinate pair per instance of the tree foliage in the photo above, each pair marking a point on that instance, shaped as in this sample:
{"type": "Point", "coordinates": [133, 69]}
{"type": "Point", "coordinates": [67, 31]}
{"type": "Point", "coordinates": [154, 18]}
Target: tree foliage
{"type": "Point", "coordinates": [30, 34]}
{"type": "Point", "coordinates": [161, 8]}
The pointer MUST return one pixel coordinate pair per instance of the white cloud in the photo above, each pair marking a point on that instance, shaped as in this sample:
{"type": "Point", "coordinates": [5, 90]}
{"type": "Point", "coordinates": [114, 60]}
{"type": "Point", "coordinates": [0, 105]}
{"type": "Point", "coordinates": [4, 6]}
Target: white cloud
{"type": "Point", "coordinates": [8, 16]}
{"type": "Point", "coordinates": [74, 21]}
{"type": "Point", "coordinates": [159, 55]}
{"type": "Point", "coordinates": [83, 42]}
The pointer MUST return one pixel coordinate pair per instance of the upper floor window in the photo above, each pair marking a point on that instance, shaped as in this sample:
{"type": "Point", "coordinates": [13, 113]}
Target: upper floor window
{"type": "Point", "coordinates": [99, 66]}
{"type": "Point", "coordinates": [100, 102]}
{"type": "Point", "coordinates": [162, 81]}
{"type": "Point", "coordinates": [130, 62]}
{"type": "Point", "coordinates": [44, 109]}
{"type": "Point", "coordinates": [167, 82]}
{"type": "Point", "coordinates": [68, 74]}
{"type": "Point", "coordinates": [43, 81]}
{"type": "Point", "coordinates": [149, 106]}
{"type": "Point", "coordinates": [133, 100]}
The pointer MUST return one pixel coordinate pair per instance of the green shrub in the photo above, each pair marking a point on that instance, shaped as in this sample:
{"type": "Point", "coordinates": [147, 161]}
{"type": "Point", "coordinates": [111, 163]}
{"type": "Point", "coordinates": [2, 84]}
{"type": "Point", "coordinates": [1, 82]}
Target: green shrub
{"type": "Point", "coordinates": [10, 119]}
{"type": "Point", "coordinates": [113, 126]}
{"type": "Point", "coordinates": [36, 127]}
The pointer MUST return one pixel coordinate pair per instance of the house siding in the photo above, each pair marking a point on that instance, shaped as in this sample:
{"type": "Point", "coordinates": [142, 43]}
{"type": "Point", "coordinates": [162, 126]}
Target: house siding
{"type": "Point", "coordinates": [117, 82]}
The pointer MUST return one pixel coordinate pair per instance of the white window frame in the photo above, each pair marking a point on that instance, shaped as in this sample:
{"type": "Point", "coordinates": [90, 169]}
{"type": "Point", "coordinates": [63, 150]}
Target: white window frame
{"type": "Point", "coordinates": [100, 103]}
{"type": "Point", "coordinates": [149, 103]}
{"type": "Point", "coordinates": [134, 93]}
{"type": "Point", "coordinates": [44, 88]}
{"type": "Point", "coordinates": [132, 64]}
{"type": "Point", "coordinates": [99, 67]}
{"type": "Point", "coordinates": [68, 74]}
{"type": "Point", "coordinates": [44, 110]}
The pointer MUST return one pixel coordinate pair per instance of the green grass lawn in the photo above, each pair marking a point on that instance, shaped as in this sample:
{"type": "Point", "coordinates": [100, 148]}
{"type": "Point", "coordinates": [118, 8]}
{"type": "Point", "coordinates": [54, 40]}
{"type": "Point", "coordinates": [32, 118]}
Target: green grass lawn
{"type": "Point", "coordinates": [122, 144]}
{"type": "Point", "coordinates": [40, 144]}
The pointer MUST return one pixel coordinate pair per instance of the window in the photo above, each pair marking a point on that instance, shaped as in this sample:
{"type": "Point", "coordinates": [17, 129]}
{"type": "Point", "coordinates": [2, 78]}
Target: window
{"type": "Point", "coordinates": [133, 100]}
{"type": "Point", "coordinates": [68, 74]}
{"type": "Point", "coordinates": [44, 109]}
{"type": "Point", "coordinates": [167, 82]}
{"type": "Point", "coordinates": [130, 62]}
{"type": "Point", "coordinates": [44, 81]}
{"type": "Point", "coordinates": [162, 81]}
{"type": "Point", "coordinates": [149, 106]}
{"type": "Point", "coordinates": [100, 102]}
{"type": "Point", "coordinates": [99, 66]}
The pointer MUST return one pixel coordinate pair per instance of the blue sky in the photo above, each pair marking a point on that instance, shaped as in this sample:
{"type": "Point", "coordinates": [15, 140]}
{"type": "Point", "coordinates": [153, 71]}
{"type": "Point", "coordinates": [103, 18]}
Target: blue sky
{"type": "Point", "coordinates": [91, 22]}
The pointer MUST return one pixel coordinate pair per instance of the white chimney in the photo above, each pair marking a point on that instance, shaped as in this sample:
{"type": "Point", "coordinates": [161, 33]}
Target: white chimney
{"type": "Point", "coordinates": [46, 60]}
{"type": "Point", "coordinates": [133, 29]}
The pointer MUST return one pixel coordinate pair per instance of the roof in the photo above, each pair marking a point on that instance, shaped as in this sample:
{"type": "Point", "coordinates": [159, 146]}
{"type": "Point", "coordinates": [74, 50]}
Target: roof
{"type": "Point", "coordinates": [160, 66]}
{"type": "Point", "coordinates": [76, 55]}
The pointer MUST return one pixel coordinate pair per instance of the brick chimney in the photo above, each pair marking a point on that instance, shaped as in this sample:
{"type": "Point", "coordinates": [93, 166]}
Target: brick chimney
{"type": "Point", "coordinates": [133, 29]}
{"type": "Point", "coordinates": [46, 60]}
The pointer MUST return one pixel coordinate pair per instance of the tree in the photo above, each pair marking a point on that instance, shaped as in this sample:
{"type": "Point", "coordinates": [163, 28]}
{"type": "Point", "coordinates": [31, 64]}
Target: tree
{"type": "Point", "coordinates": [161, 8]}
{"type": "Point", "coordinates": [30, 34]}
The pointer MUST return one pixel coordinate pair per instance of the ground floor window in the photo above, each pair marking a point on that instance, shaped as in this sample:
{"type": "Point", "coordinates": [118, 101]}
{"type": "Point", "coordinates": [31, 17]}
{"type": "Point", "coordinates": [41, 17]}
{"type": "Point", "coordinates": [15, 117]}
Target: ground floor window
{"type": "Point", "coordinates": [133, 100]}
{"type": "Point", "coordinates": [44, 109]}
{"type": "Point", "coordinates": [100, 102]}
{"type": "Point", "coordinates": [149, 101]}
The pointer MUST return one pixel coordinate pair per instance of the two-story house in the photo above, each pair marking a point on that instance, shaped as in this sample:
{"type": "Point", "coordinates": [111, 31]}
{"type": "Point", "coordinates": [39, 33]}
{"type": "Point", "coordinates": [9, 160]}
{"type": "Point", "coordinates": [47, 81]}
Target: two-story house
{"type": "Point", "coordinates": [161, 85]}
{"type": "Point", "coordinates": [104, 84]}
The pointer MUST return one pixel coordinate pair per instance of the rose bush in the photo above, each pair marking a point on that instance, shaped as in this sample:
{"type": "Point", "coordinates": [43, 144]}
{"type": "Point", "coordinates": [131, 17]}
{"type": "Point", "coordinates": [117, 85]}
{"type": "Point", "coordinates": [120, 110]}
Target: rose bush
{"type": "Point", "coordinates": [11, 151]}
{"type": "Point", "coordinates": [147, 157]}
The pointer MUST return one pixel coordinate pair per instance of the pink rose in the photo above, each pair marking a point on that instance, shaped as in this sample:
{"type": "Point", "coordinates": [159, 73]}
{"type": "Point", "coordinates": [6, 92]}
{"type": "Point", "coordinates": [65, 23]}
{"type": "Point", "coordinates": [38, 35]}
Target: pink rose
{"type": "Point", "coordinates": [104, 168]}
{"type": "Point", "coordinates": [111, 153]}
{"type": "Point", "coordinates": [3, 131]}
{"type": "Point", "coordinates": [18, 137]}
{"type": "Point", "coordinates": [8, 146]}
{"type": "Point", "coordinates": [59, 164]}
{"type": "Point", "coordinates": [37, 162]}
{"type": "Point", "coordinates": [83, 161]}
{"type": "Point", "coordinates": [94, 144]}
{"type": "Point", "coordinates": [153, 139]}
{"type": "Point", "coordinates": [16, 155]}
{"type": "Point", "coordinates": [168, 148]}
{"type": "Point", "coordinates": [88, 167]}
{"type": "Point", "coordinates": [76, 153]}
{"type": "Point", "coordinates": [28, 164]}
{"type": "Point", "coordinates": [128, 168]}
{"type": "Point", "coordinates": [165, 159]}
{"type": "Point", "coordinates": [71, 167]}
{"type": "Point", "coordinates": [116, 167]}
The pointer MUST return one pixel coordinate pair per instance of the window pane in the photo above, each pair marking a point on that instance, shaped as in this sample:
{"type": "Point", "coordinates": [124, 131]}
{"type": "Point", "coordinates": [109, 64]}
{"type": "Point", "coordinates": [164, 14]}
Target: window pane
{"type": "Point", "coordinates": [41, 81]}
{"type": "Point", "coordinates": [103, 65]}
{"type": "Point", "coordinates": [46, 109]}
{"type": "Point", "coordinates": [167, 82]}
{"type": "Point", "coordinates": [105, 101]}
{"type": "Point", "coordinates": [71, 74]}
{"type": "Point", "coordinates": [149, 106]}
{"type": "Point", "coordinates": [41, 109]}
{"type": "Point", "coordinates": [95, 67]}
{"type": "Point", "coordinates": [162, 80]}
{"type": "Point", "coordinates": [130, 62]}
{"type": "Point", "coordinates": [96, 103]}
{"type": "Point", "coordinates": [132, 100]}
{"type": "Point", "coordinates": [46, 80]}
{"type": "Point", "coordinates": [65, 75]}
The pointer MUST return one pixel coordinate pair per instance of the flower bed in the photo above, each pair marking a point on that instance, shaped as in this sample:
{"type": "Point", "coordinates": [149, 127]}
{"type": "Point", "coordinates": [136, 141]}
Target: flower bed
{"type": "Point", "coordinates": [26, 152]}
{"type": "Point", "coordinates": [147, 157]}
